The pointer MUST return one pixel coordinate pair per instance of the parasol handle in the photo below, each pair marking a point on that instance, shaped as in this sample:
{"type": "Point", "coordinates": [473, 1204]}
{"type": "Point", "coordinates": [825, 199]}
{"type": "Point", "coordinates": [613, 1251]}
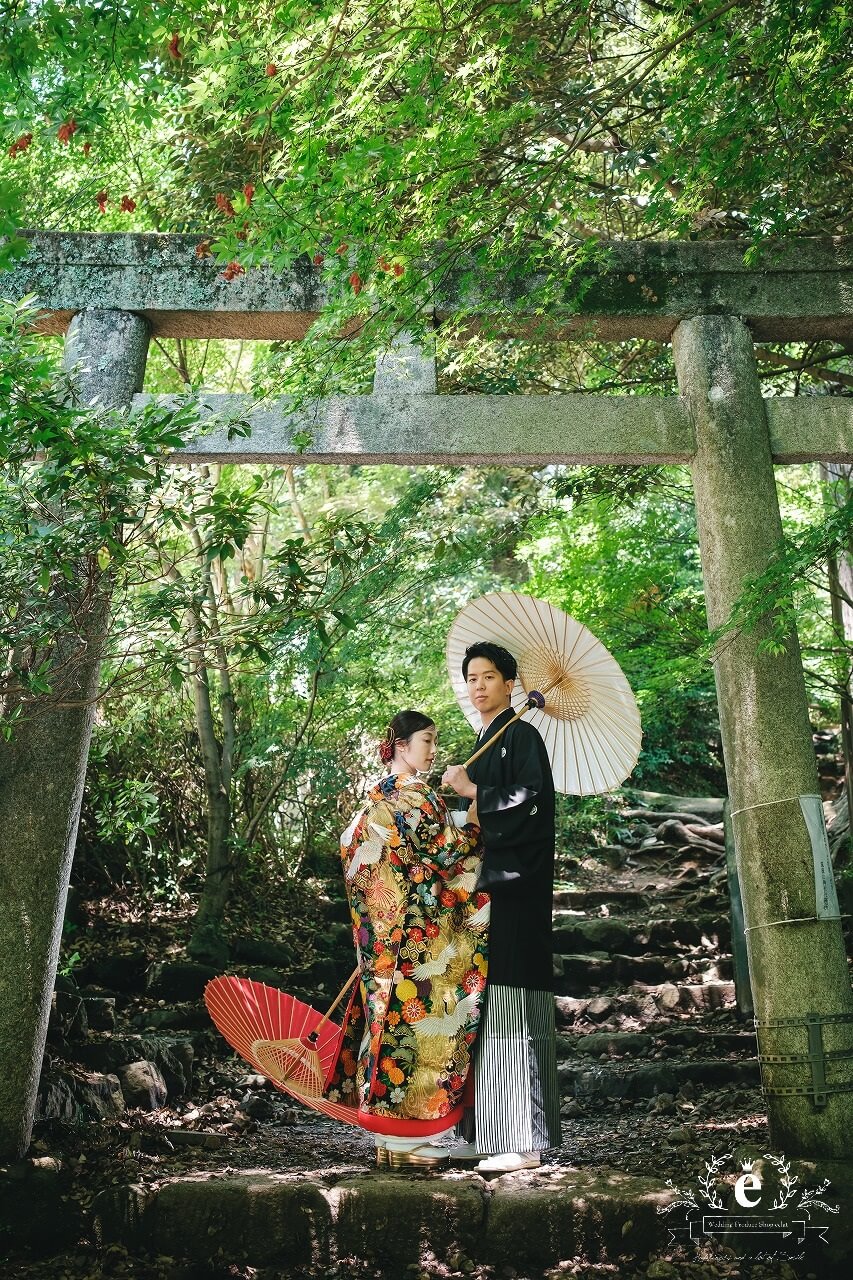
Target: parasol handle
{"type": "Point", "coordinates": [315, 1034]}
{"type": "Point", "coordinates": [534, 699]}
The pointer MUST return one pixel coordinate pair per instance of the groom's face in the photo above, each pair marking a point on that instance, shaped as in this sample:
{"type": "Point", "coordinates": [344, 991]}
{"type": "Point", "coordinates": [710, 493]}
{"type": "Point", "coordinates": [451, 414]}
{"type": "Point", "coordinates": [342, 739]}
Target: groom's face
{"type": "Point", "coordinates": [488, 689]}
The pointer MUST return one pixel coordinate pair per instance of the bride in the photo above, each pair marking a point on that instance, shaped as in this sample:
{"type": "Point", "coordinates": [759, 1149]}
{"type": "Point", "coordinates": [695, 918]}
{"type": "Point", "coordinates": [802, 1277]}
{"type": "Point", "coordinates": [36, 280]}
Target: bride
{"type": "Point", "coordinates": [420, 934]}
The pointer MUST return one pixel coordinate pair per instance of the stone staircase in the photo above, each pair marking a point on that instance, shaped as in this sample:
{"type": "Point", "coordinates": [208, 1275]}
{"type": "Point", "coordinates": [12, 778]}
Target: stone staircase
{"type": "Point", "coordinates": [645, 994]}
{"type": "Point", "coordinates": [653, 1055]}
{"type": "Point", "coordinates": [658, 1075]}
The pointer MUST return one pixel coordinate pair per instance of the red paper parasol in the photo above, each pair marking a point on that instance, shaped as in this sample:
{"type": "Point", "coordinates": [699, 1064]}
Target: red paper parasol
{"type": "Point", "coordinates": [274, 1032]}
{"type": "Point", "coordinates": [264, 1025]}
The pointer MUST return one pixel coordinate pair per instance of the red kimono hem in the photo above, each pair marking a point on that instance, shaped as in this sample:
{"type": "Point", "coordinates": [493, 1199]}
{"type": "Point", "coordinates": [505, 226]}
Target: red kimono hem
{"type": "Point", "coordinates": [394, 1127]}
{"type": "Point", "coordinates": [391, 1127]}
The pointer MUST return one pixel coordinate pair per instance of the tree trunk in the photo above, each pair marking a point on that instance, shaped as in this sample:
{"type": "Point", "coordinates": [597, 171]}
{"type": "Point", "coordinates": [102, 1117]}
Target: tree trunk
{"type": "Point", "coordinates": [42, 771]}
{"type": "Point", "coordinates": [206, 942]}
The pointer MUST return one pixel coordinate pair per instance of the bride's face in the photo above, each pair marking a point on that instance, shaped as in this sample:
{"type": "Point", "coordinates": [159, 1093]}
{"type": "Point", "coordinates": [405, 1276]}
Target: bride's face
{"type": "Point", "coordinates": [418, 751]}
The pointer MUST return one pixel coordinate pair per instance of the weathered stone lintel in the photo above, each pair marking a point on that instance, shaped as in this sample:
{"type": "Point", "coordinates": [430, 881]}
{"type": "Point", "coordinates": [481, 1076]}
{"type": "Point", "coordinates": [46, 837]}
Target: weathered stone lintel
{"type": "Point", "coordinates": [465, 430]}
{"type": "Point", "coordinates": [810, 428]}
{"type": "Point", "coordinates": [799, 290]}
{"type": "Point", "coordinates": [525, 430]}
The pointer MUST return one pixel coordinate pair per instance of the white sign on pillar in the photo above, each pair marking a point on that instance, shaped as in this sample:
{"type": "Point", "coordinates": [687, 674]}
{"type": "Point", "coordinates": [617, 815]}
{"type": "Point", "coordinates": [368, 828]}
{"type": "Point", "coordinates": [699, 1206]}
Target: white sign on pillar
{"type": "Point", "coordinates": [826, 898]}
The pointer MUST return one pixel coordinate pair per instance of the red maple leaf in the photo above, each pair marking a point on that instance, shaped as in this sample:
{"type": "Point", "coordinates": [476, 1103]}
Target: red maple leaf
{"type": "Point", "coordinates": [175, 45]}
{"type": "Point", "coordinates": [272, 69]}
{"type": "Point", "coordinates": [249, 192]}
{"type": "Point", "coordinates": [20, 144]}
{"type": "Point", "coordinates": [233, 270]}
{"type": "Point", "coordinates": [102, 197]}
{"type": "Point", "coordinates": [203, 250]}
{"type": "Point", "coordinates": [87, 147]}
{"type": "Point", "coordinates": [224, 205]}
{"type": "Point", "coordinates": [65, 131]}
{"type": "Point", "coordinates": [128, 204]}
{"type": "Point", "coordinates": [398, 268]}
{"type": "Point", "coordinates": [356, 282]}
{"type": "Point", "coordinates": [318, 259]}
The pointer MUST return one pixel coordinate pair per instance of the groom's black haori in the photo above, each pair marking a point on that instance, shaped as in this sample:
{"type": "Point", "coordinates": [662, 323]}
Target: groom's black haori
{"type": "Point", "coordinates": [517, 1101]}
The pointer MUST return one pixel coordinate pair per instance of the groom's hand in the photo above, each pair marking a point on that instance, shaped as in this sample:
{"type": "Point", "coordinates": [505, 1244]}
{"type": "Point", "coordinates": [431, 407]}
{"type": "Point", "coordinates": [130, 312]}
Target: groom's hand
{"type": "Point", "coordinates": [456, 776]}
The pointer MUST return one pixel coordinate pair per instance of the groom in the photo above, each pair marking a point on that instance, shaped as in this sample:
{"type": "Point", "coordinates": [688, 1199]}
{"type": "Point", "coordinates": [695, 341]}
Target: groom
{"type": "Point", "coordinates": [517, 1100]}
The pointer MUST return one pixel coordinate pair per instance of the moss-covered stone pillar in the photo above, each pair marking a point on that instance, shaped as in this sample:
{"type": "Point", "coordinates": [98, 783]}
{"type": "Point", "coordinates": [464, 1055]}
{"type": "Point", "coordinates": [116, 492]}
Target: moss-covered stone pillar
{"type": "Point", "coordinates": [43, 767]}
{"type": "Point", "coordinates": [795, 947]}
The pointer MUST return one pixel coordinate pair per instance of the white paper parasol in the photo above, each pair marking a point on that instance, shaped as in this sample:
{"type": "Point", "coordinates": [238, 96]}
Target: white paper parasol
{"type": "Point", "coordinates": [590, 721]}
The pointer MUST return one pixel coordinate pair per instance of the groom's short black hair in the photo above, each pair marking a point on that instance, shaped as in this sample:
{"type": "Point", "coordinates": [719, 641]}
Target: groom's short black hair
{"type": "Point", "coordinates": [502, 658]}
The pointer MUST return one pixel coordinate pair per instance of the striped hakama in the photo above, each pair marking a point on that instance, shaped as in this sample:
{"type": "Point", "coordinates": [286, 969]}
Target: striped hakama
{"type": "Point", "coordinates": [516, 1094]}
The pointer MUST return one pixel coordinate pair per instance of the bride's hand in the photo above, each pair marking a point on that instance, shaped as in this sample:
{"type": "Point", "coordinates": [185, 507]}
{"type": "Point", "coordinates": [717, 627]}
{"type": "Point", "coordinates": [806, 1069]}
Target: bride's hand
{"type": "Point", "coordinates": [472, 814]}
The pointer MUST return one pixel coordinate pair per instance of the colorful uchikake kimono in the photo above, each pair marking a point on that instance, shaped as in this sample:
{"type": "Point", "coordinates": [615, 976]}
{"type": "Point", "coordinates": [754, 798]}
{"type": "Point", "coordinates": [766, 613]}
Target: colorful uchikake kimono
{"type": "Point", "coordinates": [421, 936]}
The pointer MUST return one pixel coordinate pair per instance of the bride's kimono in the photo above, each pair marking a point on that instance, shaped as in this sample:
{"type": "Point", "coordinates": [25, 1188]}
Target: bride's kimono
{"type": "Point", "coordinates": [421, 936]}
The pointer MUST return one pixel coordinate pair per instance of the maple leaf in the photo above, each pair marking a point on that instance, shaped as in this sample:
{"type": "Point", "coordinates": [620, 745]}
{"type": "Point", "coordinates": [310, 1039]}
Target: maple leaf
{"type": "Point", "coordinates": [102, 197]}
{"type": "Point", "coordinates": [318, 259]}
{"type": "Point", "coordinates": [87, 147]}
{"type": "Point", "coordinates": [233, 270]}
{"type": "Point", "coordinates": [65, 131]}
{"type": "Point", "coordinates": [356, 282]}
{"type": "Point", "coordinates": [175, 45]}
{"type": "Point", "coordinates": [128, 204]}
{"type": "Point", "coordinates": [224, 205]}
{"type": "Point", "coordinates": [249, 192]}
{"type": "Point", "coordinates": [398, 268]}
{"type": "Point", "coordinates": [272, 69]}
{"type": "Point", "coordinates": [203, 250]}
{"type": "Point", "coordinates": [20, 144]}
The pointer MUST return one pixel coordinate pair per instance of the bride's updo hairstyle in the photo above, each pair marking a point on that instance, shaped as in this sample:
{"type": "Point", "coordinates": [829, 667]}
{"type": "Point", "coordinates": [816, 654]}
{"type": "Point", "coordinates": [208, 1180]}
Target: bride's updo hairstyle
{"type": "Point", "coordinates": [401, 728]}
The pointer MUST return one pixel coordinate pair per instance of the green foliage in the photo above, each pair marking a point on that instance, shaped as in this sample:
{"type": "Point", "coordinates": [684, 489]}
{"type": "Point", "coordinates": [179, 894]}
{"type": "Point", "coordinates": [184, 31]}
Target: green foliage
{"type": "Point", "coordinates": [412, 149]}
{"type": "Point", "coordinates": [69, 963]}
{"type": "Point", "coordinates": [327, 606]}
{"type": "Point", "coordinates": [624, 559]}
{"type": "Point", "coordinates": [793, 591]}
{"type": "Point", "coordinates": [583, 823]}
{"type": "Point", "coordinates": [75, 485]}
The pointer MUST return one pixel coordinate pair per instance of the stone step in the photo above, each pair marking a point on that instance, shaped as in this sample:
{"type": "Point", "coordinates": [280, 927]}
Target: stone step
{"type": "Point", "coordinates": [692, 1037]}
{"type": "Point", "coordinates": [173, 1054]}
{"type": "Point", "coordinates": [573, 934]}
{"type": "Point", "coordinates": [188, 1016]}
{"type": "Point", "coordinates": [577, 975]}
{"type": "Point", "coordinates": [396, 1224]}
{"type": "Point", "coordinates": [346, 1221]}
{"type": "Point", "coordinates": [653, 893]}
{"type": "Point", "coordinates": [632, 1044]}
{"type": "Point", "coordinates": [454, 1220]}
{"type": "Point", "coordinates": [645, 1079]}
{"type": "Point", "coordinates": [592, 899]}
{"type": "Point", "coordinates": [644, 1001]}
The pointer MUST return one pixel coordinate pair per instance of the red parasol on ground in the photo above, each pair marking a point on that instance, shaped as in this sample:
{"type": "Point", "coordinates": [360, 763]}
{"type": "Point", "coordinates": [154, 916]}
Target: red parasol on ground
{"type": "Point", "coordinates": [271, 1030]}
{"type": "Point", "coordinates": [295, 1047]}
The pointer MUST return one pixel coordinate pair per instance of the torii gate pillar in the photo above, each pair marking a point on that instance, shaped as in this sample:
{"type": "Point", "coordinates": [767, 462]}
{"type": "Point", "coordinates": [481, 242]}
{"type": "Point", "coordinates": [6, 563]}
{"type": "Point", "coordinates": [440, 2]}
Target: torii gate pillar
{"type": "Point", "coordinates": [794, 941]}
{"type": "Point", "coordinates": [42, 769]}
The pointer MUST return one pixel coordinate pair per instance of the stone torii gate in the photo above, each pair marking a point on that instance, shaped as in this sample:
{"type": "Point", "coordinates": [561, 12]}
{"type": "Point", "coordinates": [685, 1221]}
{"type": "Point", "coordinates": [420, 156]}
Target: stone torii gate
{"type": "Point", "coordinates": [111, 293]}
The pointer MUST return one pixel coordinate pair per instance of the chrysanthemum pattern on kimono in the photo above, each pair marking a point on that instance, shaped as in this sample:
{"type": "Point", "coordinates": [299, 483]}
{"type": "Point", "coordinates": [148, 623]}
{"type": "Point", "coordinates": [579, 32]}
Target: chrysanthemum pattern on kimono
{"type": "Point", "coordinates": [421, 934]}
